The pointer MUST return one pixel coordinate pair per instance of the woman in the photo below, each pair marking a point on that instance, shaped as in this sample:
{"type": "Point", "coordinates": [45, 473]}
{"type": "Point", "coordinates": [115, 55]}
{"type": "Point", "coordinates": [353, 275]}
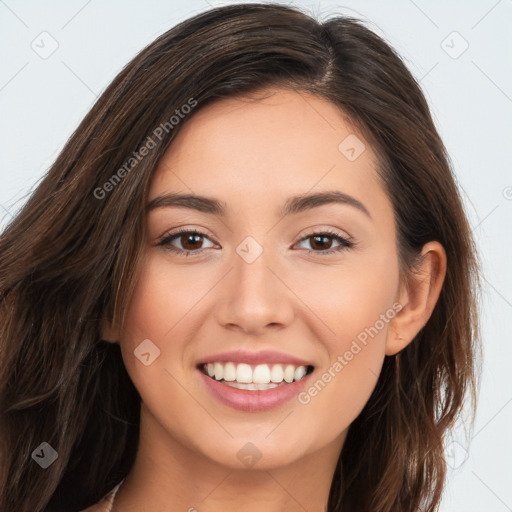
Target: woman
{"type": "Point", "coordinates": [247, 280]}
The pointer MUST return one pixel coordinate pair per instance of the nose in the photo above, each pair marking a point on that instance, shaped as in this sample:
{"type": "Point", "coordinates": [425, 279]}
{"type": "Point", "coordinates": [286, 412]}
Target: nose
{"type": "Point", "coordinates": [255, 297]}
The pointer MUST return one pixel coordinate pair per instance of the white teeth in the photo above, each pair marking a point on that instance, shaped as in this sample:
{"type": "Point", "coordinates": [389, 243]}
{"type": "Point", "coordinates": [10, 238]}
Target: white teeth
{"type": "Point", "coordinates": [262, 376]}
{"type": "Point", "coordinates": [252, 387]}
{"type": "Point", "coordinates": [270, 385]}
{"type": "Point", "coordinates": [243, 373]}
{"type": "Point", "coordinates": [299, 373]}
{"type": "Point", "coordinates": [277, 374]}
{"type": "Point", "coordinates": [289, 372]}
{"type": "Point", "coordinates": [229, 372]}
{"type": "Point", "coordinates": [219, 371]}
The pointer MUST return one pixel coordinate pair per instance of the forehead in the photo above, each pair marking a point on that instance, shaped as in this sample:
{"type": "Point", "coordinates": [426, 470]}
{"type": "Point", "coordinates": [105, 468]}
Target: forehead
{"type": "Point", "coordinates": [251, 150]}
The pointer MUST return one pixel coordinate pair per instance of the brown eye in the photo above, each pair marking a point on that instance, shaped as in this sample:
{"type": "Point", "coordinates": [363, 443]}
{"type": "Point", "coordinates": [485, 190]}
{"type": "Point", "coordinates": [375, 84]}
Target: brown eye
{"type": "Point", "coordinates": [189, 242]}
{"type": "Point", "coordinates": [321, 242]}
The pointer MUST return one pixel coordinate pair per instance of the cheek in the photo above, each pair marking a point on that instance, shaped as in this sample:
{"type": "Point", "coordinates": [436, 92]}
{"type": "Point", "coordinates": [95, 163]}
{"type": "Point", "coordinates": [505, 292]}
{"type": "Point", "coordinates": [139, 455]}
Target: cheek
{"type": "Point", "coordinates": [349, 297]}
{"type": "Point", "coordinates": [153, 314]}
{"type": "Point", "coordinates": [162, 297]}
{"type": "Point", "coordinates": [343, 386]}
{"type": "Point", "coordinates": [356, 306]}
{"type": "Point", "coordinates": [338, 394]}
{"type": "Point", "coordinates": [161, 310]}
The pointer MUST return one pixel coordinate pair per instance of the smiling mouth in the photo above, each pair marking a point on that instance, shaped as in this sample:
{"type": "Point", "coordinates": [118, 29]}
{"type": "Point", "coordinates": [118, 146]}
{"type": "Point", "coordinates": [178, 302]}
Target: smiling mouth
{"type": "Point", "coordinates": [255, 377]}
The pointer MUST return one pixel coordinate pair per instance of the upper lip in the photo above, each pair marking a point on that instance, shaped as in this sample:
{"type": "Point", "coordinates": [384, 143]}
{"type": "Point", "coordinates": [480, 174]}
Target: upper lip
{"type": "Point", "coordinates": [260, 357]}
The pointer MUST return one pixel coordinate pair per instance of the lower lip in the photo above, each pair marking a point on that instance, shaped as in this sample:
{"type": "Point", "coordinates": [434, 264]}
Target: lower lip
{"type": "Point", "coordinates": [254, 401]}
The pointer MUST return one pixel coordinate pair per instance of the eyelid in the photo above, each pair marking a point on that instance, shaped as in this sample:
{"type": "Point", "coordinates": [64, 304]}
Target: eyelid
{"type": "Point", "coordinates": [330, 231]}
{"type": "Point", "coordinates": [187, 228]}
{"type": "Point", "coordinates": [345, 241]}
{"type": "Point", "coordinates": [313, 231]}
{"type": "Point", "coordinates": [177, 233]}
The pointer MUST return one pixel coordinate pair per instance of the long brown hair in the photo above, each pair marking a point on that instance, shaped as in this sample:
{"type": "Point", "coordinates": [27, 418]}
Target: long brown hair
{"type": "Point", "coordinates": [72, 254]}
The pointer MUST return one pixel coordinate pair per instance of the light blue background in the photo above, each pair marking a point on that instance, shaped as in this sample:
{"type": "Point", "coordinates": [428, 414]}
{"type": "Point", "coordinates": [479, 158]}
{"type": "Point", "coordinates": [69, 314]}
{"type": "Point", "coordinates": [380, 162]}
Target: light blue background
{"type": "Point", "coordinates": [43, 100]}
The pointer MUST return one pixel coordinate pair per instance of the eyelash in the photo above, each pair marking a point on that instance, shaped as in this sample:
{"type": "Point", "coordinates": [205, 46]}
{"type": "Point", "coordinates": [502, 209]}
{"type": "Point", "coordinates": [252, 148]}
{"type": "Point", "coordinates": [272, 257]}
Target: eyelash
{"type": "Point", "coordinates": [344, 243]}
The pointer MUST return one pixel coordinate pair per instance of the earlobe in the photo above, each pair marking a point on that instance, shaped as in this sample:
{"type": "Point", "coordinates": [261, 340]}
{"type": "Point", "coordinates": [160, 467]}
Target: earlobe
{"type": "Point", "coordinates": [418, 298]}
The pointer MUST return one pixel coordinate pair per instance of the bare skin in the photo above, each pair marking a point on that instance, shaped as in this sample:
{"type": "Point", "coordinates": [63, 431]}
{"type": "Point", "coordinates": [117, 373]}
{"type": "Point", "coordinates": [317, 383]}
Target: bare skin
{"type": "Point", "coordinates": [254, 155]}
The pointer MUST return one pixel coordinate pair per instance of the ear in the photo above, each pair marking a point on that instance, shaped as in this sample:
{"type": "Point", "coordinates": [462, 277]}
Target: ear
{"type": "Point", "coordinates": [418, 298]}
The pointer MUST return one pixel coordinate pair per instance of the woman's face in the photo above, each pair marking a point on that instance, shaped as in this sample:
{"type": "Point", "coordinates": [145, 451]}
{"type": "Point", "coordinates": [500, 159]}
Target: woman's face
{"type": "Point", "coordinates": [262, 284]}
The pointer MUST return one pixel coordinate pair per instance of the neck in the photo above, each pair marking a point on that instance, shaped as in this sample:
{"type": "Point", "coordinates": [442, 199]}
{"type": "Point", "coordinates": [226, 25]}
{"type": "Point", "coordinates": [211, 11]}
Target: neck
{"type": "Point", "coordinates": [169, 476]}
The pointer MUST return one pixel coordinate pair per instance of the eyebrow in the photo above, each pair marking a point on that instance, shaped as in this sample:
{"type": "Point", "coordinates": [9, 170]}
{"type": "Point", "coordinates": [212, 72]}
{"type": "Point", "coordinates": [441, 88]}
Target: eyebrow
{"type": "Point", "coordinates": [293, 205]}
